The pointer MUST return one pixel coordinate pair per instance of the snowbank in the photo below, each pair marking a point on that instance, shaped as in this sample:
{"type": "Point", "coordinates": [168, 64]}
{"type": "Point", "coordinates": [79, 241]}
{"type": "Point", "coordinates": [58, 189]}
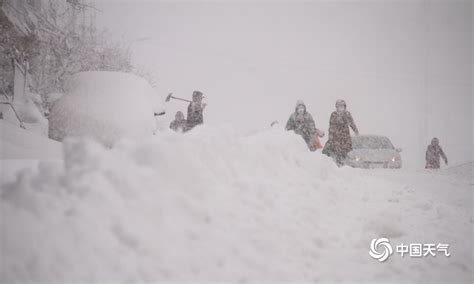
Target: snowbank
{"type": "Point", "coordinates": [216, 206]}
{"type": "Point", "coordinates": [30, 112]}
{"type": "Point", "coordinates": [18, 143]}
{"type": "Point", "coordinates": [22, 149]}
{"type": "Point", "coordinates": [106, 106]}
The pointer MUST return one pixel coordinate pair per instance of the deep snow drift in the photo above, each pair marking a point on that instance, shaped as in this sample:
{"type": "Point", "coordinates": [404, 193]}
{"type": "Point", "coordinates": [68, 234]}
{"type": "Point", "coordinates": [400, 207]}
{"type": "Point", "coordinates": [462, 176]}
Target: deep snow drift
{"type": "Point", "coordinates": [17, 143]}
{"type": "Point", "coordinates": [215, 205]}
{"type": "Point", "coordinates": [28, 111]}
{"type": "Point", "coordinates": [107, 106]}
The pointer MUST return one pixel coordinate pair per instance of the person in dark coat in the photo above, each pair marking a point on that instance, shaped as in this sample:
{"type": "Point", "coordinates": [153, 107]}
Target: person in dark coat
{"type": "Point", "coordinates": [179, 124]}
{"type": "Point", "coordinates": [339, 141]}
{"type": "Point", "coordinates": [195, 110]}
{"type": "Point", "coordinates": [433, 153]}
{"type": "Point", "coordinates": [302, 123]}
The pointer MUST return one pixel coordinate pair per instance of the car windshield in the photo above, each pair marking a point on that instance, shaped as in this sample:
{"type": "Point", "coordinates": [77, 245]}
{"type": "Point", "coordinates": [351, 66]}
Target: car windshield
{"type": "Point", "coordinates": [371, 142]}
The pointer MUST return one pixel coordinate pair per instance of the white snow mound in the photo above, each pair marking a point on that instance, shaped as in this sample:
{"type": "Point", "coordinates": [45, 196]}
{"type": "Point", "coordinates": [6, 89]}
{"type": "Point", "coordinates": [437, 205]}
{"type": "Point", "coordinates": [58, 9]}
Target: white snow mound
{"type": "Point", "coordinates": [17, 143]}
{"type": "Point", "coordinates": [214, 206]}
{"type": "Point", "coordinates": [106, 106]}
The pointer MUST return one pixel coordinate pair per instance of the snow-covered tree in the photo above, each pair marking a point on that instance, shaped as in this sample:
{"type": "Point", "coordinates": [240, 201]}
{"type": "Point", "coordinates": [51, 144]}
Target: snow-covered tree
{"type": "Point", "coordinates": [59, 38]}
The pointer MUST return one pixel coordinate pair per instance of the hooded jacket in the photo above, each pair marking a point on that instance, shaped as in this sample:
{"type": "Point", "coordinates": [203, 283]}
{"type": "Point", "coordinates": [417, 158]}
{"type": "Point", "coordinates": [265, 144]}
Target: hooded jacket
{"type": "Point", "coordinates": [340, 142]}
{"type": "Point", "coordinates": [303, 124]}
{"type": "Point", "coordinates": [179, 124]}
{"type": "Point", "coordinates": [195, 115]}
{"type": "Point", "coordinates": [433, 154]}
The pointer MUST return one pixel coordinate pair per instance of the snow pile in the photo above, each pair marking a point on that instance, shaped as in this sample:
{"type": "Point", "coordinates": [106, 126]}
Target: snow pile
{"type": "Point", "coordinates": [106, 106]}
{"type": "Point", "coordinates": [17, 143]}
{"type": "Point", "coordinates": [30, 112]}
{"type": "Point", "coordinates": [213, 205]}
{"type": "Point", "coordinates": [21, 149]}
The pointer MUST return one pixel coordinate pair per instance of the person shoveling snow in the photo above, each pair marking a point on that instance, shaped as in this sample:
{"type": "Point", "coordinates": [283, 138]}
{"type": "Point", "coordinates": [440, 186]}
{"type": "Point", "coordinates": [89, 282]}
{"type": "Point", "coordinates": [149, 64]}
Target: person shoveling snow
{"type": "Point", "coordinates": [195, 109]}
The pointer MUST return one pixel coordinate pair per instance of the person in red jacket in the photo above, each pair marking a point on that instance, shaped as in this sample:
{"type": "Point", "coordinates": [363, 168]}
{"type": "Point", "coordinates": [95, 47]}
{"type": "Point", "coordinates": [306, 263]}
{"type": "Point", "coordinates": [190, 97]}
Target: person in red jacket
{"type": "Point", "coordinates": [433, 153]}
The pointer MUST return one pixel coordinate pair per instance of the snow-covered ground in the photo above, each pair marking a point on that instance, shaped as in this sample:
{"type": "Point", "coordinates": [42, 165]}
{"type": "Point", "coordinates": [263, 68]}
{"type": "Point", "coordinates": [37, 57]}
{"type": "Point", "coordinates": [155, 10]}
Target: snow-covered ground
{"type": "Point", "coordinates": [216, 205]}
{"type": "Point", "coordinates": [17, 143]}
{"type": "Point", "coordinates": [20, 148]}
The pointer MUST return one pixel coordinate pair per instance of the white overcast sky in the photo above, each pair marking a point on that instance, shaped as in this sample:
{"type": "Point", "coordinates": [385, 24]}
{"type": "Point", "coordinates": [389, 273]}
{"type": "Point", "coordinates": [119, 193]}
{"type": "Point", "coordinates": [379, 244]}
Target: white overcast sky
{"type": "Point", "coordinates": [404, 67]}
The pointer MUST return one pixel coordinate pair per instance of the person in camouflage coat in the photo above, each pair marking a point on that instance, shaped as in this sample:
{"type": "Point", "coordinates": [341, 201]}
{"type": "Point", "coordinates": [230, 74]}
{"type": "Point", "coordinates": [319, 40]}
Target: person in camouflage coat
{"type": "Point", "coordinates": [179, 124]}
{"type": "Point", "coordinates": [433, 153]}
{"type": "Point", "coordinates": [339, 141]}
{"type": "Point", "coordinates": [302, 123]}
{"type": "Point", "coordinates": [195, 110]}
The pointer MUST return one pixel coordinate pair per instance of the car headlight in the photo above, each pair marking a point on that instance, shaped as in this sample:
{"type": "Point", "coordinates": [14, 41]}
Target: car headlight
{"type": "Point", "coordinates": [356, 158]}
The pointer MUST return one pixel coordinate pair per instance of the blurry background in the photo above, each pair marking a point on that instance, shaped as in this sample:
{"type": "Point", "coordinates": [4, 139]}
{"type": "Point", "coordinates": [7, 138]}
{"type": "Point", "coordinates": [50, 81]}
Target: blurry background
{"type": "Point", "coordinates": [403, 67]}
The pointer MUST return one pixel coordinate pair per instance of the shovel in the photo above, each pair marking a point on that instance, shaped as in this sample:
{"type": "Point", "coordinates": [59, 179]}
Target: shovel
{"type": "Point", "coordinates": [170, 96]}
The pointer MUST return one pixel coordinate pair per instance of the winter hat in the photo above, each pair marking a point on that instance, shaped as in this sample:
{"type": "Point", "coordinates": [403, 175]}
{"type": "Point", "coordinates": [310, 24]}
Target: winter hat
{"type": "Point", "coordinates": [300, 103]}
{"type": "Point", "coordinates": [197, 94]}
{"type": "Point", "coordinates": [434, 141]}
{"type": "Point", "coordinates": [179, 115]}
{"type": "Point", "coordinates": [341, 103]}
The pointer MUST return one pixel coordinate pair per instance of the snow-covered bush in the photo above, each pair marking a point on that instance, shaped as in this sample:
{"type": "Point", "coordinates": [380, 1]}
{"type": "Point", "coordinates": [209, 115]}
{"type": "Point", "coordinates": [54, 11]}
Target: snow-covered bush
{"type": "Point", "coordinates": [106, 106]}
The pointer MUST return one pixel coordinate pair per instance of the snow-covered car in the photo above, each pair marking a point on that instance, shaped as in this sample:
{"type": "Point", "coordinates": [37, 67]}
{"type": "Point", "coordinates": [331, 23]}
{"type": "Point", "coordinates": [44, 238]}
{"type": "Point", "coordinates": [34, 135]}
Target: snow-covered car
{"type": "Point", "coordinates": [373, 151]}
{"type": "Point", "coordinates": [105, 106]}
